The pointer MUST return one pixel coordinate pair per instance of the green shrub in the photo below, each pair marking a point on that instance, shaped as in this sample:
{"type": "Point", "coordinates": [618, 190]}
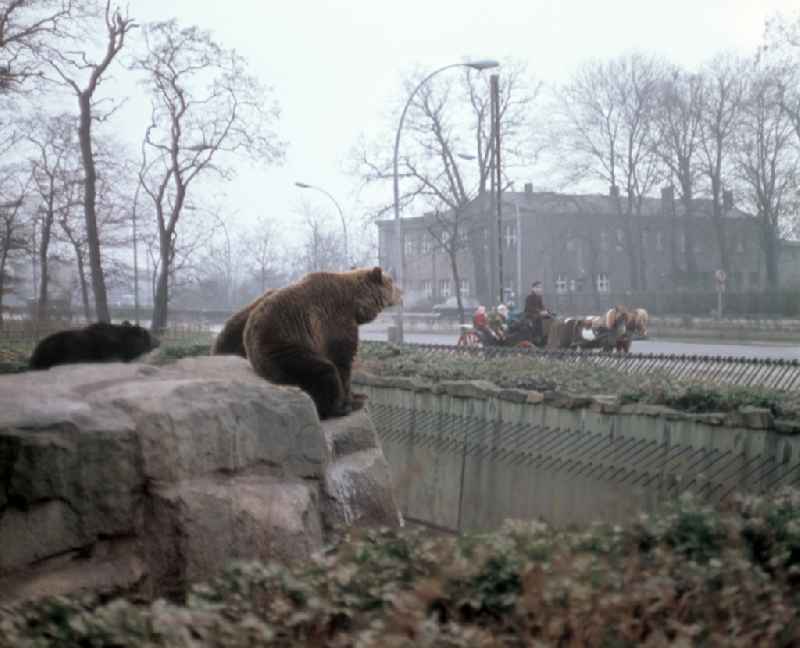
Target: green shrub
{"type": "Point", "coordinates": [548, 374]}
{"type": "Point", "coordinates": [692, 576]}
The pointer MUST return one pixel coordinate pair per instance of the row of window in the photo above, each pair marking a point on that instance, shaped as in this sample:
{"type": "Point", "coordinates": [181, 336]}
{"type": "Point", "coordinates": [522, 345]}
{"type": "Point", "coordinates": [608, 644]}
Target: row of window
{"type": "Point", "coordinates": [563, 284]}
{"type": "Point", "coordinates": [445, 288]}
{"type": "Point", "coordinates": [421, 244]}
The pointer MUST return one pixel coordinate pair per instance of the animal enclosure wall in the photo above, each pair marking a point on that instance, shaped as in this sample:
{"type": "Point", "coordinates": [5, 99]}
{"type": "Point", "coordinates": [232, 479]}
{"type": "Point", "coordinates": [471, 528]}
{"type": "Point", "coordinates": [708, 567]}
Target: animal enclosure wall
{"type": "Point", "coordinates": [466, 456]}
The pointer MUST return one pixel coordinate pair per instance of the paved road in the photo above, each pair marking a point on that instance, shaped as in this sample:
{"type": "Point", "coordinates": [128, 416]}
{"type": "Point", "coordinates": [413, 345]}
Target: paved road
{"type": "Point", "coordinates": [754, 350]}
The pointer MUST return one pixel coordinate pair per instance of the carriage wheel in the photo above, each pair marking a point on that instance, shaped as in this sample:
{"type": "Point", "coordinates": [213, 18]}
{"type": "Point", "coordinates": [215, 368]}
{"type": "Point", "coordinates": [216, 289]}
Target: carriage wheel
{"type": "Point", "coordinates": [469, 339]}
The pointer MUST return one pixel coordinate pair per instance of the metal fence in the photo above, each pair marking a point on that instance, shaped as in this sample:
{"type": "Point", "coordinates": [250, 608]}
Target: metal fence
{"type": "Point", "coordinates": [31, 331]}
{"type": "Point", "coordinates": [464, 472]}
{"type": "Point", "coordinates": [728, 370]}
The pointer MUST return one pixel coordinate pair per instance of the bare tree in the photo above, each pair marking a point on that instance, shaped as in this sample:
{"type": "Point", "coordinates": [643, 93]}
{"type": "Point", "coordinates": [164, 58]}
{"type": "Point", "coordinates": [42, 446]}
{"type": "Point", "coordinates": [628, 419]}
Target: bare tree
{"type": "Point", "coordinates": [14, 187]}
{"type": "Point", "coordinates": [608, 114]}
{"type": "Point", "coordinates": [83, 76]}
{"type": "Point", "coordinates": [767, 159]}
{"type": "Point", "coordinates": [25, 28]}
{"type": "Point", "coordinates": [54, 170]}
{"type": "Point", "coordinates": [723, 93]}
{"type": "Point", "coordinates": [204, 105]}
{"type": "Point", "coordinates": [447, 156]}
{"type": "Point", "coordinates": [321, 248]}
{"type": "Point", "coordinates": [260, 247]}
{"type": "Point", "coordinates": [677, 140]}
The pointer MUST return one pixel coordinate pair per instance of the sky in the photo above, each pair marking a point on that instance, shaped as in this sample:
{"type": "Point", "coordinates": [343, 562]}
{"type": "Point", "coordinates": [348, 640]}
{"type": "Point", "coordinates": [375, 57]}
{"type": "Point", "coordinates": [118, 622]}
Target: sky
{"type": "Point", "coordinates": [337, 66]}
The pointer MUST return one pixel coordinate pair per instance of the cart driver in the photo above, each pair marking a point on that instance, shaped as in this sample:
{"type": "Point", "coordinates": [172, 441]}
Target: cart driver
{"type": "Point", "coordinates": [535, 309]}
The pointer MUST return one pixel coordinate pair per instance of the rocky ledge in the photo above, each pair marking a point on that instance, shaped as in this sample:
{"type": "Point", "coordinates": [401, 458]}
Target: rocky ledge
{"type": "Point", "coordinates": [128, 478]}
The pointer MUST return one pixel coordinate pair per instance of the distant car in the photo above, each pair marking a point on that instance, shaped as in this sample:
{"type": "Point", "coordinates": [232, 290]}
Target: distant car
{"type": "Point", "coordinates": [449, 307]}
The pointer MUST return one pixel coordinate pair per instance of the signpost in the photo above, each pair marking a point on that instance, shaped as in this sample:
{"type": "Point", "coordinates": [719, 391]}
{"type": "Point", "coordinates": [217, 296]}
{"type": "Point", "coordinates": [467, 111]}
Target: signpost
{"type": "Point", "coordinates": [720, 277]}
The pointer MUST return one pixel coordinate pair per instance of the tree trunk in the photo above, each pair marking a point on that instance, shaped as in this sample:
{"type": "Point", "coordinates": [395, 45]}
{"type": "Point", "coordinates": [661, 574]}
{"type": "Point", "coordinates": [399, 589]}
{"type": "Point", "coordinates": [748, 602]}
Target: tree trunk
{"type": "Point", "coordinates": [477, 247]}
{"type": "Point", "coordinates": [719, 224]}
{"type": "Point", "coordinates": [87, 310]}
{"type": "Point", "coordinates": [161, 300]}
{"type": "Point", "coordinates": [688, 236]}
{"type": "Point", "coordinates": [453, 254]}
{"type": "Point", "coordinates": [642, 266]}
{"type": "Point", "coordinates": [90, 207]}
{"type": "Point", "coordinates": [771, 251]}
{"type": "Point", "coordinates": [44, 246]}
{"type": "Point", "coordinates": [3, 258]}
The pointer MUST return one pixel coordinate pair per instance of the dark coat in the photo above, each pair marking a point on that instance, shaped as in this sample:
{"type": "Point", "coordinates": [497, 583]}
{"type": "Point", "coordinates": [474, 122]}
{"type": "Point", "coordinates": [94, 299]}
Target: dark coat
{"type": "Point", "coordinates": [533, 306]}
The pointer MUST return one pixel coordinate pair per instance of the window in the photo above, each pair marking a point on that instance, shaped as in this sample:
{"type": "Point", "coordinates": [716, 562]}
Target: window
{"type": "Point", "coordinates": [463, 239]}
{"type": "Point", "coordinates": [427, 288]}
{"type": "Point", "coordinates": [698, 246]}
{"type": "Point", "coordinates": [444, 288]}
{"type": "Point", "coordinates": [411, 245]}
{"type": "Point", "coordinates": [444, 238]}
{"type": "Point", "coordinates": [425, 244]}
{"type": "Point", "coordinates": [464, 287]}
{"type": "Point", "coordinates": [620, 239]}
{"type": "Point", "coordinates": [682, 242]}
{"type": "Point", "coordinates": [570, 245]}
{"type": "Point", "coordinates": [510, 234]}
{"type": "Point", "coordinates": [572, 285]}
{"type": "Point", "coordinates": [561, 283]}
{"type": "Point", "coordinates": [755, 279]}
{"type": "Point", "coordinates": [603, 240]}
{"type": "Point", "coordinates": [644, 239]}
{"type": "Point", "coordinates": [603, 284]}
{"type": "Point", "coordinates": [740, 245]}
{"type": "Point", "coordinates": [660, 241]}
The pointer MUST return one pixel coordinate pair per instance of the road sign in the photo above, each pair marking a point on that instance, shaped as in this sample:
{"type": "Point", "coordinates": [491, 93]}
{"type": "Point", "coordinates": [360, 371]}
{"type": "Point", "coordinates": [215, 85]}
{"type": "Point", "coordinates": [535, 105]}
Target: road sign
{"type": "Point", "coordinates": [720, 276]}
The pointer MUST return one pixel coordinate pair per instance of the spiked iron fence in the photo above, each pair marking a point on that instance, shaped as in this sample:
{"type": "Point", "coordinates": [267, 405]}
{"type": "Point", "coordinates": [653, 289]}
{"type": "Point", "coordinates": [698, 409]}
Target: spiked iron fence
{"type": "Point", "coordinates": [464, 463]}
{"type": "Point", "coordinates": [730, 370]}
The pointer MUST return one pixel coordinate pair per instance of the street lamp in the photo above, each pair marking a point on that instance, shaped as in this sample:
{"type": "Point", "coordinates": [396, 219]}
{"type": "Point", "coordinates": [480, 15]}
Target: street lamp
{"type": "Point", "coordinates": [400, 248]}
{"type": "Point", "coordinates": [303, 185]}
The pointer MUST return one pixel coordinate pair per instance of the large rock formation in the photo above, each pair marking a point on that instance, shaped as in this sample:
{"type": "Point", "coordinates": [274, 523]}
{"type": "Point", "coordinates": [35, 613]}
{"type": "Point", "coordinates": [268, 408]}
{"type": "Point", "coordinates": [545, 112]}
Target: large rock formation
{"type": "Point", "coordinates": [138, 479]}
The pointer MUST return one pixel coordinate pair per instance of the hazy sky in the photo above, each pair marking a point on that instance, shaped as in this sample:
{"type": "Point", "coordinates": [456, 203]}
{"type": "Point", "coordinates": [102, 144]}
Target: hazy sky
{"type": "Point", "coordinates": [337, 65]}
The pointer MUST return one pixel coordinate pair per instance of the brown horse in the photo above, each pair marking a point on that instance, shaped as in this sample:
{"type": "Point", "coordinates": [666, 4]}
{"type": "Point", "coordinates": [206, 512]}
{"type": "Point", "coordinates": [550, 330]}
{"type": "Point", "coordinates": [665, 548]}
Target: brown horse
{"type": "Point", "coordinates": [639, 322]}
{"type": "Point", "coordinates": [618, 320]}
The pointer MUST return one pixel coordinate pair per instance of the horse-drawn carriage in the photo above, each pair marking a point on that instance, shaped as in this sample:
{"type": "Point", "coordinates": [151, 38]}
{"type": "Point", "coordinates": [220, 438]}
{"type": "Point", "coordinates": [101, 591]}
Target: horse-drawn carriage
{"type": "Point", "coordinates": [614, 331]}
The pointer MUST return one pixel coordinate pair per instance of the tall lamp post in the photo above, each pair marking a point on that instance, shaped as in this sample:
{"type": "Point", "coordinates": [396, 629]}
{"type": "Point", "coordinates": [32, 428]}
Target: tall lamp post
{"type": "Point", "coordinates": [399, 247]}
{"type": "Point", "coordinates": [303, 185]}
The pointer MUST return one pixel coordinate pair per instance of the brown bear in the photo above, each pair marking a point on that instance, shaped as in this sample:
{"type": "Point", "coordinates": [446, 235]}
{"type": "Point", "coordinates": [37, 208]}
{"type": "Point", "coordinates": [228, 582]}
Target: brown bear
{"type": "Point", "coordinates": [306, 334]}
{"type": "Point", "coordinates": [230, 340]}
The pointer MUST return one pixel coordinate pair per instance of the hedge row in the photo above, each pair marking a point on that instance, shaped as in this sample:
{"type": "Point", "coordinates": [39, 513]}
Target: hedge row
{"type": "Point", "coordinates": [692, 576]}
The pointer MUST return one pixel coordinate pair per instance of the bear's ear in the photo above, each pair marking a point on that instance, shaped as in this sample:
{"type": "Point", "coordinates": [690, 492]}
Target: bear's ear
{"type": "Point", "coordinates": [376, 275]}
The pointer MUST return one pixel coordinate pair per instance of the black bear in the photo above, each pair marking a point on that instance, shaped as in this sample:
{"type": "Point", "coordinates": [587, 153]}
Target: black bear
{"type": "Point", "coordinates": [306, 334]}
{"type": "Point", "coordinates": [98, 342]}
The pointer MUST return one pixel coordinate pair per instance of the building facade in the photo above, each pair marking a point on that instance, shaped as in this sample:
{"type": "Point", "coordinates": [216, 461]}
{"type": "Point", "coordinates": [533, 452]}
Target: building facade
{"type": "Point", "coordinates": [573, 244]}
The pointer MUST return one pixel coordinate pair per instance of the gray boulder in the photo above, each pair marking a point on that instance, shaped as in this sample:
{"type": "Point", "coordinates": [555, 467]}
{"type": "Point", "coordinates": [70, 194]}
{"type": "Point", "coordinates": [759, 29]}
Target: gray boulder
{"type": "Point", "coordinates": [137, 479]}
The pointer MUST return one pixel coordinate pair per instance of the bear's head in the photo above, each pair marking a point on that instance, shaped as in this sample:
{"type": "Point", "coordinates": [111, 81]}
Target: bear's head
{"type": "Point", "coordinates": [138, 340]}
{"type": "Point", "coordinates": [379, 292]}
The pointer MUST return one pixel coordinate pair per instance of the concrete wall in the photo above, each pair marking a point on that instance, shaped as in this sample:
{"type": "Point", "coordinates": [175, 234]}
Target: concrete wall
{"type": "Point", "coordinates": [467, 455]}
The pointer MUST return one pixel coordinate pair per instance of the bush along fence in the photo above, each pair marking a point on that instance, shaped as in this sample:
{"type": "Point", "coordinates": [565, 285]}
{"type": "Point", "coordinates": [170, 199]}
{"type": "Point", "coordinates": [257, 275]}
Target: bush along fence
{"type": "Point", "coordinates": [722, 370]}
{"type": "Point", "coordinates": [467, 455]}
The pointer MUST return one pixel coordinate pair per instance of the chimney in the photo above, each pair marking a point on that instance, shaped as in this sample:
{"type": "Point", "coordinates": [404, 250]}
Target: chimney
{"type": "Point", "coordinates": [727, 199]}
{"type": "Point", "coordinates": [613, 191]}
{"type": "Point", "coordinates": [529, 188]}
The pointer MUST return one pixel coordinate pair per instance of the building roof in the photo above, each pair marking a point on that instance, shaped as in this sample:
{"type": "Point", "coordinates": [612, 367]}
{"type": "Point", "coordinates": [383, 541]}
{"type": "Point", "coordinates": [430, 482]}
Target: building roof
{"type": "Point", "coordinates": [548, 202]}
